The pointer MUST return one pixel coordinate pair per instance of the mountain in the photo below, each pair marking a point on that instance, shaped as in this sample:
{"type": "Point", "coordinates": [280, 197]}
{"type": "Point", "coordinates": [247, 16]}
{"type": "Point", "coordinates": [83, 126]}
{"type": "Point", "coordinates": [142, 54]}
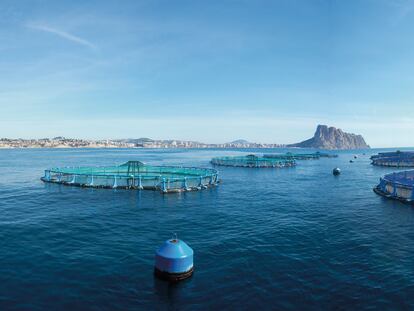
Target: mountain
{"type": "Point", "coordinates": [332, 138]}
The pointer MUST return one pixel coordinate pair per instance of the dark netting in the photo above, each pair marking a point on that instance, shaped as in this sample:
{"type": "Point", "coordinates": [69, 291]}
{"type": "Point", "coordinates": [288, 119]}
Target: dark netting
{"type": "Point", "coordinates": [397, 185]}
{"type": "Point", "coordinates": [394, 159]}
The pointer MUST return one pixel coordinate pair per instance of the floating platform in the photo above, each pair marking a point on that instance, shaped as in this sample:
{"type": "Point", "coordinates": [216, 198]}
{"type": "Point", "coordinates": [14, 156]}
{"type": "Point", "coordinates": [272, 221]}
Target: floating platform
{"type": "Point", "coordinates": [398, 186]}
{"type": "Point", "coordinates": [253, 161]}
{"type": "Point", "coordinates": [394, 159]}
{"type": "Point", "coordinates": [135, 175]}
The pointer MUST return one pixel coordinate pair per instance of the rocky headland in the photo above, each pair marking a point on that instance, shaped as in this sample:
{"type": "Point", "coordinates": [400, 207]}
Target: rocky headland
{"type": "Point", "coordinates": [333, 139]}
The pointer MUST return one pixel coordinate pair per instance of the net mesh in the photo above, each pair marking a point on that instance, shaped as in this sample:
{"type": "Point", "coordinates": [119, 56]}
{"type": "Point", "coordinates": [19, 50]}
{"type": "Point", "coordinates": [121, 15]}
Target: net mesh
{"type": "Point", "coordinates": [394, 159]}
{"type": "Point", "coordinates": [399, 185]}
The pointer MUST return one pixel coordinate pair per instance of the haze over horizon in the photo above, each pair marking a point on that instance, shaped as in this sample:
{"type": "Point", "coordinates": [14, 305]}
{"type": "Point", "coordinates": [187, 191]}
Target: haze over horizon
{"type": "Point", "coordinates": [214, 72]}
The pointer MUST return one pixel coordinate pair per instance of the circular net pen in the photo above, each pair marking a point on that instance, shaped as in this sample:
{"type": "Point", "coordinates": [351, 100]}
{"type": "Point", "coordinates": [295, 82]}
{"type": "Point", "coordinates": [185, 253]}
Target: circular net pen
{"type": "Point", "coordinates": [253, 161]}
{"type": "Point", "coordinates": [326, 155]}
{"type": "Point", "coordinates": [394, 159]}
{"type": "Point", "coordinates": [398, 186]}
{"type": "Point", "coordinates": [293, 156]}
{"type": "Point", "coordinates": [135, 175]}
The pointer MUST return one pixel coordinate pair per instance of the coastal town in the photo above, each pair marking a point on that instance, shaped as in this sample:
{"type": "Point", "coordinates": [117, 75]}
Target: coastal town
{"type": "Point", "coordinates": [62, 142]}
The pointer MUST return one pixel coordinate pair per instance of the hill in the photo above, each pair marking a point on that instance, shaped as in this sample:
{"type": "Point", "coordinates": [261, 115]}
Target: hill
{"type": "Point", "coordinates": [332, 138]}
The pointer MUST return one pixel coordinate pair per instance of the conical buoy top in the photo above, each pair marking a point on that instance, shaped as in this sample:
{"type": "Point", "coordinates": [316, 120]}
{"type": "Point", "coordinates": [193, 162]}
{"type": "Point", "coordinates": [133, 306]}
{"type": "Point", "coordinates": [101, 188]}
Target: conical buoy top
{"type": "Point", "coordinates": [175, 248]}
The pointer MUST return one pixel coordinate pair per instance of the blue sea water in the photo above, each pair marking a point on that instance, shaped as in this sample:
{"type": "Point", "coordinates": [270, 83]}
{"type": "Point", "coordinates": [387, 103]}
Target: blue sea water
{"type": "Point", "coordinates": [264, 239]}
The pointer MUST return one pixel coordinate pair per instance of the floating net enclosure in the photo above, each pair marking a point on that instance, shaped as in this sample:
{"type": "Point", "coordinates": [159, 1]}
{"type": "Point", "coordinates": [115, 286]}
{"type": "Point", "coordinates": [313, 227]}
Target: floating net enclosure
{"type": "Point", "coordinates": [292, 156]}
{"type": "Point", "coordinates": [326, 155]}
{"type": "Point", "coordinates": [135, 175]}
{"type": "Point", "coordinates": [300, 156]}
{"type": "Point", "coordinates": [394, 159]}
{"type": "Point", "coordinates": [399, 186]}
{"type": "Point", "coordinates": [253, 161]}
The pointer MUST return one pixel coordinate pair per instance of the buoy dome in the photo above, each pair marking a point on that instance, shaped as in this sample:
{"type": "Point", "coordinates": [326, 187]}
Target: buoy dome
{"type": "Point", "coordinates": [174, 260]}
{"type": "Point", "coordinates": [336, 171]}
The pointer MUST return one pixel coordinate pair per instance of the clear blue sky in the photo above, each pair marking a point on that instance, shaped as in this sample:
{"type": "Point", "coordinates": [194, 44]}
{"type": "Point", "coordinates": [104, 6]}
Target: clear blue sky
{"type": "Point", "coordinates": [213, 71]}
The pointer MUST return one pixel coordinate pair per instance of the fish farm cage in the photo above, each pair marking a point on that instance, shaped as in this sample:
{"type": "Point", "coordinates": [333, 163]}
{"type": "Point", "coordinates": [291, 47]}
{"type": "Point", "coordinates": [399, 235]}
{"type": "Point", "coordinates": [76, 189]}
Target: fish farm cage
{"type": "Point", "coordinates": [399, 186]}
{"type": "Point", "coordinates": [291, 156]}
{"type": "Point", "coordinates": [394, 159]}
{"type": "Point", "coordinates": [300, 156]}
{"type": "Point", "coordinates": [326, 155]}
{"type": "Point", "coordinates": [135, 175]}
{"type": "Point", "coordinates": [253, 161]}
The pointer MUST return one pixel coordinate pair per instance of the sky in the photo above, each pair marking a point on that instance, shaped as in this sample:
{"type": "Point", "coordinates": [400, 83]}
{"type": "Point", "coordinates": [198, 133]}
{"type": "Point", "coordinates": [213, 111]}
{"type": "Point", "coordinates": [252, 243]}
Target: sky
{"type": "Point", "coordinates": [211, 71]}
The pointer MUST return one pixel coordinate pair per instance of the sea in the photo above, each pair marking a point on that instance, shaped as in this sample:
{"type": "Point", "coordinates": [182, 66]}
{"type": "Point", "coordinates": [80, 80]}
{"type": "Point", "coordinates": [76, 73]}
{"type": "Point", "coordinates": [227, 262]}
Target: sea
{"type": "Point", "coordinates": [263, 239]}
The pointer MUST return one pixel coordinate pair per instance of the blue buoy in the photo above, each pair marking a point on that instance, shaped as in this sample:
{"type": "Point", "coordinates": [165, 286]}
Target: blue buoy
{"type": "Point", "coordinates": [174, 260]}
{"type": "Point", "coordinates": [336, 171]}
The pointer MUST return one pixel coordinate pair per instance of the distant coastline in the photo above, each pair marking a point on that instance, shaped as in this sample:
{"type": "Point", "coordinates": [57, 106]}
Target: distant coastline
{"type": "Point", "coordinates": [325, 137]}
{"type": "Point", "coordinates": [62, 142]}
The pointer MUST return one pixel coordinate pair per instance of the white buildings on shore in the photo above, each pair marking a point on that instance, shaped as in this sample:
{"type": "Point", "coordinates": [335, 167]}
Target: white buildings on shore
{"type": "Point", "coordinates": [61, 142]}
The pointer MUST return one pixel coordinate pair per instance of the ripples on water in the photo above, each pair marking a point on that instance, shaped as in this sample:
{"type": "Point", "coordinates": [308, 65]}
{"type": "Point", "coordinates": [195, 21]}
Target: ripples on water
{"type": "Point", "coordinates": [295, 238]}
